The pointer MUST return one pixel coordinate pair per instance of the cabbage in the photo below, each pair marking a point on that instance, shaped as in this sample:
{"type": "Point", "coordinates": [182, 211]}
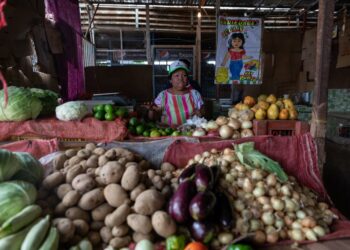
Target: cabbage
{"type": "Point", "coordinates": [48, 98]}
{"type": "Point", "coordinates": [14, 196]}
{"type": "Point", "coordinates": [31, 169]}
{"type": "Point", "coordinates": [10, 164]}
{"type": "Point", "coordinates": [70, 111]}
{"type": "Point", "coordinates": [22, 105]}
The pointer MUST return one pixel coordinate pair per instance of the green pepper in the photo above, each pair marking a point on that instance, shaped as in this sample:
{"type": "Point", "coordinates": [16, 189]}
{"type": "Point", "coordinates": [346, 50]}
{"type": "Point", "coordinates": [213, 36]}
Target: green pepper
{"type": "Point", "coordinates": [175, 242]}
{"type": "Point", "coordinates": [239, 247]}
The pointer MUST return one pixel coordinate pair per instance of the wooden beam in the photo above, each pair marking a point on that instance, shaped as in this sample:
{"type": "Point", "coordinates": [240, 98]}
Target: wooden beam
{"type": "Point", "coordinates": [148, 37]}
{"type": "Point", "coordinates": [198, 48]}
{"type": "Point", "coordinates": [323, 59]}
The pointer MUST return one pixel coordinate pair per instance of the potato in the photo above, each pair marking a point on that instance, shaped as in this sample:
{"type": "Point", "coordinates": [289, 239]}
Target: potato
{"type": "Point", "coordinates": [119, 242]}
{"type": "Point", "coordinates": [58, 162]}
{"type": "Point", "coordinates": [60, 209]}
{"type": "Point", "coordinates": [99, 182]}
{"type": "Point", "coordinates": [131, 177]}
{"type": "Point", "coordinates": [115, 195]}
{"type": "Point", "coordinates": [144, 165]}
{"type": "Point", "coordinates": [118, 216]}
{"type": "Point", "coordinates": [96, 225]}
{"type": "Point", "coordinates": [163, 224]}
{"type": "Point", "coordinates": [148, 202]}
{"type": "Point", "coordinates": [124, 153]}
{"type": "Point", "coordinates": [122, 161]}
{"type": "Point", "coordinates": [64, 226]}
{"type": "Point", "coordinates": [53, 180]}
{"type": "Point", "coordinates": [130, 164]}
{"type": "Point", "coordinates": [92, 162]}
{"type": "Point", "coordinates": [94, 237]}
{"type": "Point", "coordinates": [90, 146]}
{"type": "Point", "coordinates": [111, 172]}
{"type": "Point", "coordinates": [139, 223]}
{"type": "Point", "coordinates": [83, 183]}
{"type": "Point", "coordinates": [76, 213]}
{"type": "Point", "coordinates": [74, 160]}
{"type": "Point", "coordinates": [70, 153]}
{"type": "Point", "coordinates": [71, 198]}
{"type": "Point", "coordinates": [106, 234]}
{"type": "Point", "coordinates": [74, 171]}
{"type": "Point", "coordinates": [139, 236]}
{"type": "Point", "coordinates": [136, 191]}
{"type": "Point", "coordinates": [110, 154]}
{"type": "Point", "coordinates": [102, 160]}
{"type": "Point", "coordinates": [43, 193]}
{"type": "Point", "coordinates": [81, 227]}
{"type": "Point", "coordinates": [99, 151]}
{"type": "Point", "coordinates": [119, 231]}
{"type": "Point", "coordinates": [83, 164]}
{"type": "Point", "coordinates": [99, 213]}
{"type": "Point", "coordinates": [91, 199]}
{"type": "Point", "coordinates": [84, 153]}
{"type": "Point", "coordinates": [167, 167]}
{"type": "Point", "coordinates": [63, 189]}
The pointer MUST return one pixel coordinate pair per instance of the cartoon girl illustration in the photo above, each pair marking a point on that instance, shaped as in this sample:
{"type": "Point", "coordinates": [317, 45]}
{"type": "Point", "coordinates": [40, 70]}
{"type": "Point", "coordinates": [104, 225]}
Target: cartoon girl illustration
{"type": "Point", "coordinates": [237, 54]}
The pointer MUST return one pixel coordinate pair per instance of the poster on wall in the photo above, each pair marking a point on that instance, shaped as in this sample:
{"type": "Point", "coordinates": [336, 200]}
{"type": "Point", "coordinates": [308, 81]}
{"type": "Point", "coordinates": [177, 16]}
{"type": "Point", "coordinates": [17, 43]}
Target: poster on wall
{"type": "Point", "coordinates": [238, 57]}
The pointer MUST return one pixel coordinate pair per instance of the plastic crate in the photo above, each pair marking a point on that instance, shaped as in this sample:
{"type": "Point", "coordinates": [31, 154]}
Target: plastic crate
{"type": "Point", "coordinates": [280, 127]}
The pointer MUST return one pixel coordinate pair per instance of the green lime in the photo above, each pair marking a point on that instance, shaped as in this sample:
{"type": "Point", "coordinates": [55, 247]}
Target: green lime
{"type": "Point", "coordinates": [169, 131]}
{"type": "Point", "coordinates": [100, 107]}
{"type": "Point", "coordinates": [163, 133]}
{"type": "Point", "coordinates": [146, 133]}
{"type": "Point", "coordinates": [140, 129]}
{"type": "Point", "coordinates": [133, 121]}
{"type": "Point", "coordinates": [155, 133]}
{"type": "Point", "coordinates": [151, 125]}
{"type": "Point", "coordinates": [100, 115]}
{"type": "Point", "coordinates": [109, 108]}
{"type": "Point", "coordinates": [176, 133]}
{"type": "Point", "coordinates": [121, 112]}
{"type": "Point", "coordinates": [109, 116]}
{"type": "Point", "coordinates": [94, 109]}
{"type": "Point", "coordinates": [132, 130]}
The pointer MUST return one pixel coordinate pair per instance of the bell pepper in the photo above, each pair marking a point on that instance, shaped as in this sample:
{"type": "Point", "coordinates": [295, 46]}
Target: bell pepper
{"type": "Point", "coordinates": [175, 242]}
{"type": "Point", "coordinates": [239, 247]}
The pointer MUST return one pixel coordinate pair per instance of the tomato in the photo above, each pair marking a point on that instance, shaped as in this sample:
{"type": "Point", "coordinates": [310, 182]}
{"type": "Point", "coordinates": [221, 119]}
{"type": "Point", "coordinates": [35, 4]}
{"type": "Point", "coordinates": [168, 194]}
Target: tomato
{"type": "Point", "coordinates": [195, 246]}
{"type": "Point", "coordinates": [239, 247]}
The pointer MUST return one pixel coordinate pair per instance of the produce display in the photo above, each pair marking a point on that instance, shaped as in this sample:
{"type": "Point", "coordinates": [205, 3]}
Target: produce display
{"type": "Point", "coordinates": [109, 112]}
{"type": "Point", "coordinates": [269, 107]}
{"type": "Point", "coordinates": [22, 223]}
{"type": "Point", "coordinates": [26, 103]}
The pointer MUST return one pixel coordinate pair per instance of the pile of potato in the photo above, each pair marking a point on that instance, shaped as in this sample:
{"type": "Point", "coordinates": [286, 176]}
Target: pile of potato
{"type": "Point", "coordinates": [112, 197]}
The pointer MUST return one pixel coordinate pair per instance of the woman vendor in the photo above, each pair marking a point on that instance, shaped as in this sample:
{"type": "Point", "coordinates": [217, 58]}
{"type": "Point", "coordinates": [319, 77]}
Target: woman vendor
{"type": "Point", "coordinates": [179, 102]}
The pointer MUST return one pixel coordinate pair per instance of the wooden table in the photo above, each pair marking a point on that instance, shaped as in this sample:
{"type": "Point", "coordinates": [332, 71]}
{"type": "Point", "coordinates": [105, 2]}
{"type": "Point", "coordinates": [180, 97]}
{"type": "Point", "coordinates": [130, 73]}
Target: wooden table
{"type": "Point", "coordinates": [342, 244]}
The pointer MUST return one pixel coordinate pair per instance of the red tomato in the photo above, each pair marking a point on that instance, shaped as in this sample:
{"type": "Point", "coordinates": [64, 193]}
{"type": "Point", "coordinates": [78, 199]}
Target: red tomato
{"type": "Point", "coordinates": [195, 246]}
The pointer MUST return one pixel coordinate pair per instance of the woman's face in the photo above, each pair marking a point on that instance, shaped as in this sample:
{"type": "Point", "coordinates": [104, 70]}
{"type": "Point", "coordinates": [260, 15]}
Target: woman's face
{"type": "Point", "coordinates": [179, 79]}
{"type": "Point", "coordinates": [237, 42]}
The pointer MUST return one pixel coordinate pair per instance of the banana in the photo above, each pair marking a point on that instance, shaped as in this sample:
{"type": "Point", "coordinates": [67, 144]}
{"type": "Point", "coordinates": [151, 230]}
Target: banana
{"type": "Point", "coordinates": [20, 220]}
{"type": "Point", "coordinates": [36, 234]}
{"type": "Point", "coordinates": [51, 241]}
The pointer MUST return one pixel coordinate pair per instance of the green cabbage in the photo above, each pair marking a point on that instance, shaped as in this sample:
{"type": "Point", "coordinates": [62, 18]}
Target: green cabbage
{"type": "Point", "coordinates": [48, 98]}
{"type": "Point", "coordinates": [31, 170]}
{"type": "Point", "coordinates": [22, 105]}
{"type": "Point", "coordinates": [14, 196]}
{"type": "Point", "coordinates": [10, 164]}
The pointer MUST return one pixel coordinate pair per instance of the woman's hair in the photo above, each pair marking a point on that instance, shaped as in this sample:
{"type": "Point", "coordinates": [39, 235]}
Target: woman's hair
{"type": "Point", "coordinates": [234, 36]}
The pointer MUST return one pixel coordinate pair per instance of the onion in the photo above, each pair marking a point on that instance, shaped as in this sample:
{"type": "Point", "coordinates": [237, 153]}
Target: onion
{"type": "Point", "coordinates": [290, 206]}
{"type": "Point", "coordinates": [263, 200]}
{"type": "Point", "coordinates": [300, 214]}
{"type": "Point", "coordinates": [236, 134]}
{"type": "Point", "coordinates": [246, 133]}
{"type": "Point", "coordinates": [212, 125]}
{"type": "Point", "coordinates": [310, 235]}
{"type": "Point", "coordinates": [246, 115]}
{"type": "Point", "coordinates": [255, 225]}
{"type": "Point", "coordinates": [259, 237]}
{"type": "Point", "coordinates": [322, 205]}
{"type": "Point", "coordinates": [221, 120]}
{"type": "Point", "coordinates": [285, 190]}
{"type": "Point", "coordinates": [225, 132]}
{"type": "Point", "coordinates": [296, 225]}
{"type": "Point", "coordinates": [319, 231]}
{"type": "Point", "coordinates": [229, 158]}
{"type": "Point", "coordinates": [297, 235]}
{"type": "Point", "coordinates": [308, 222]}
{"type": "Point", "coordinates": [257, 174]}
{"type": "Point", "coordinates": [239, 205]}
{"type": "Point", "coordinates": [271, 180]}
{"type": "Point", "coordinates": [272, 237]}
{"type": "Point", "coordinates": [272, 192]}
{"type": "Point", "coordinates": [258, 191]}
{"type": "Point", "coordinates": [268, 218]}
{"type": "Point", "coordinates": [247, 185]}
{"type": "Point", "coordinates": [246, 124]}
{"type": "Point", "coordinates": [233, 113]}
{"type": "Point", "coordinates": [198, 132]}
{"type": "Point", "coordinates": [279, 223]}
{"type": "Point", "coordinates": [277, 204]}
{"type": "Point", "coordinates": [234, 123]}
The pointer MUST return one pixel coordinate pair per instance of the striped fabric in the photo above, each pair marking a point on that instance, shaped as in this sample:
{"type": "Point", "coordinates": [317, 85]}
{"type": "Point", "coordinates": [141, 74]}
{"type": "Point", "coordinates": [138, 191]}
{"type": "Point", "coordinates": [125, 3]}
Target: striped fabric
{"type": "Point", "coordinates": [178, 108]}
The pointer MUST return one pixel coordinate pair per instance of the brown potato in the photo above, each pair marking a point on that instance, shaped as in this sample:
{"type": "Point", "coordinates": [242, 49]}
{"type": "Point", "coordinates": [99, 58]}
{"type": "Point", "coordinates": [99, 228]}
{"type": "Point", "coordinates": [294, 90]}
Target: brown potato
{"type": "Point", "coordinates": [92, 161]}
{"type": "Point", "coordinates": [99, 151]}
{"type": "Point", "coordinates": [83, 183]}
{"type": "Point", "coordinates": [139, 223]}
{"type": "Point", "coordinates": [115, 195]}
{"type": "Point", "coordinates": [167, 167]}
{"type": "Point", "coordinates": [70, 153]}
{"type": "Point", "coordinates": [139, 236]}
{"type": "Point", "coordinates": [60, 209]}
{"type": "Point", "coordinates": [92, 199]}
{"type": "Point", "coordinates": [74, 160]}
{"type": "Point", "coordinates": [136, 191]}
{"type": "Point", "coordinates": [72, 172]}
{"type": "Point", "coordinates": [84, 153]}
{"type": "Point", "coordinates": [90, 146]}
{"type": "Point", "coordinates": [65, 228]}
{"type": "Point", "coordinates": [81, 227]}
{"type": "Point", "coordinates": [148, 202]}
{"type": "Point", "coordinates": [53, 180]}
{"type": "Point", "coordinates": [102, 160]}
{"type": "Point", "coordinates": [118, 216]}
{"type": "Point", "coordinates": [119, 242]}
{"type": "Point", "coordinates": [71, 198]}
{"type": "Point", "coordinates": [111, 172]}
{"type": "Point", "coordinates": [131, 177]}
{"type": "Point", "coordinates": [99, 213]}
{"type": "Point", "coordinates": [110, 154]}
{"type": "Point", "coordinates": [94, 237]}
{"type": "Point", "coordinates": [76, 213]}
{"type": "Point", "coordinates": [96, 225]}
{"type": "Point", "coordinates": [106, 234]}
{"type": "Point", "coordinates": [124, 153]}
{"type": "Point", "coordinates": [119, 231]}
{"type": "Point", "coordinates": [58, 162]}
{"type": "Point", "coordinates": [163, 224]}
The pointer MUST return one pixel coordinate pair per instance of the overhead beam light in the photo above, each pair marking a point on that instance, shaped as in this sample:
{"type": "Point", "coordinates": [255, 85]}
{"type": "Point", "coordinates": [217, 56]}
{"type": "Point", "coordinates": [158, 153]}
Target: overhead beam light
{"type": "Point", "coordinates": [199, 14]}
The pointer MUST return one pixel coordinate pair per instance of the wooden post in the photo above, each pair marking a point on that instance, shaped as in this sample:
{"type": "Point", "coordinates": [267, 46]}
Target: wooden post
{"type": "Point", "coordinates": [217, 14]}
{"type": "Point", "coordinates": [323, 59]}
{"type": "Point", "coordinates": [198, 47]}
{"type": "Point", "coordinates": [148, 37]}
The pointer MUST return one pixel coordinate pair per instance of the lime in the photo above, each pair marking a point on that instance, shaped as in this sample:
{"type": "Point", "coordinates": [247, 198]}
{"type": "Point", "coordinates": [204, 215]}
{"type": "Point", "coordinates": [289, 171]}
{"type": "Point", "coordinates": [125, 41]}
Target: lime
{"type": "Point", "coordinates": [133, 121]}
{"type": "Point", "coordinates": [100, 107]}
{"type": "Point", "coordinates": [109, 116]}
{"type": "Point", "coordinates": [139, 129]}
{"type": "Point", "coordinates": [94, 109]}
{"type": "Point", "coordinates": [146, 133]}
{"type": "Point", "coordinates": [169, 131]}
{"type": "Point", "coordinates": [154, 133]}
{"type": "Point", "coordinates": [176, 133]}
{"type": "Point", "coordinates": [132, 130]}
{"type": "Point", "coordinates": [121, 112]}
{"type": "Point", "coordinates": [151, 125]}
{"type": "Point", "coordinates": [109, 108]}
{"type": "Point", "coordinates": [163, 133]}
{"type": "Point", "coordinates": [100, 115]}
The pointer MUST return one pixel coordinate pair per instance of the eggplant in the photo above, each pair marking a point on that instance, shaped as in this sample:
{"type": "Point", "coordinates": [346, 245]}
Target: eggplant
{"type": "Point", "coordinates": [204, 178]}
{"type": "Point", "coordinates": [187, 173]}
{"type": "Point", "coordinates": [202, 205]}
{"type": "Point", "coordinates": [216, 173]}
{"type": "Point", "coordinates": [180, 201]}
{"type": "Point", "coordinates": [202, 231]}
{"type": "Point", "coordinates": [223, 211]}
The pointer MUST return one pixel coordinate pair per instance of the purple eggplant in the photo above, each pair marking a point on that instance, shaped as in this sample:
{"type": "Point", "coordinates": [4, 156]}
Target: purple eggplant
{"type": "Point", "coordinates": [216, 173]}
{"type": "Point", "coordinates": [204, 177]}
{"type": "Point", "coordinates": [180, 201]}
{"type": "Point", "coordinates": [223, 211]}
{"type": "Point", "coordinates": [202, 205]}
{"type": "Point", "coordinates": [202, 231]}
{"type": "Point", "coordinates": [187, 173]}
